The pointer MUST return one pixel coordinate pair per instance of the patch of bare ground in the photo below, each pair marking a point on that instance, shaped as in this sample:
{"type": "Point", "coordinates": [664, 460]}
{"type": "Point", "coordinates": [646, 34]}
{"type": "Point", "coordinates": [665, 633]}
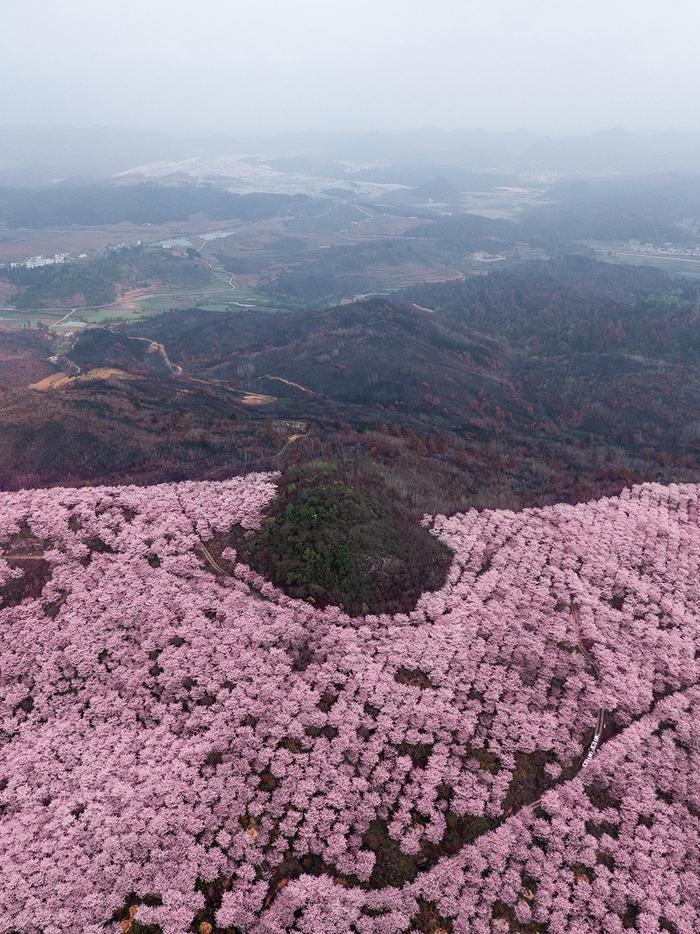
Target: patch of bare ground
{"type": "Point", "coordinates": [529, 781]}
{"type": "Point", "coordinates": [257, 399]}
{"type": "Point", "coordinates": [62, 381]}
{"type": "Point", "coordinates": [429, 920]}
{"type": "Point", "coordinates": [25, 552]}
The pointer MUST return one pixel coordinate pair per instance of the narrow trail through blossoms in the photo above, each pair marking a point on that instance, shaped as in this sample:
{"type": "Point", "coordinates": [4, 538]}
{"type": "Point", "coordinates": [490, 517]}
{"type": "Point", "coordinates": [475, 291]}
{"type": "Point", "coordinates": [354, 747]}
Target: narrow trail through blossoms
{"type": "Point", "coordinates": [600, 722]}
{"type": "Point", "coordinates": [520, 752]}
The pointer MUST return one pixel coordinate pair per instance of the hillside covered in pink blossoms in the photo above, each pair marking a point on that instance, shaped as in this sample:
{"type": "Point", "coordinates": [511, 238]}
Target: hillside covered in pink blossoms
{"type": "Point", "coordinates": [188, 750]}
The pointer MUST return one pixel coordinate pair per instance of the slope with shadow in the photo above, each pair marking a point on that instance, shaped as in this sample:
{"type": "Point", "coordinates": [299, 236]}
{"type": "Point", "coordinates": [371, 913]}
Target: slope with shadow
{"type": "Point", "coordinates": [558, 381]}
{"type": "Point", "coordinates": [100, 347]}
{"type": "Point", "coordinates": [372, 357]}
{"type": "Point", "coordinates": [23, 358]}
{"type": "Point", "coordinates": [608, 351]}
{"type": "Point", "coordinates": [112, 429]}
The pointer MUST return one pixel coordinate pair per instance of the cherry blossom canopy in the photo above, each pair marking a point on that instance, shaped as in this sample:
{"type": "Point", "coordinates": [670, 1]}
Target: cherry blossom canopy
{"type": "Point", "coordinates": [520, 752]}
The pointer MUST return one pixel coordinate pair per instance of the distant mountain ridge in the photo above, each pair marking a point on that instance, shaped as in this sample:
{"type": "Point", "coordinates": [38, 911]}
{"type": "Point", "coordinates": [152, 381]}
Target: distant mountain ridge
{"type": "Point", "coordinates": [39, 155]}
{"type": "Point", "coordinates": [614, 151]}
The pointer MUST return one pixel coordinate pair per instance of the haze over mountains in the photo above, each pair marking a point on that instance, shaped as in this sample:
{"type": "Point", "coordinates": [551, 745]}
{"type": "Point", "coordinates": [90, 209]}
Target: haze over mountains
{"type": "Point", "coordinates": [475, 298]}
{"type": "Point", "coordinates": [41, 155]}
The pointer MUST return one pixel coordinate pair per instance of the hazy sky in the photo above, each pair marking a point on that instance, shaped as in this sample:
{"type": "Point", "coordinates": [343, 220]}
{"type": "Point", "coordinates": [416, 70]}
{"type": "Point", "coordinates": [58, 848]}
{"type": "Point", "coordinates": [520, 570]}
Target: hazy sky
{"type": "Point", "coordinates": [259, 66]}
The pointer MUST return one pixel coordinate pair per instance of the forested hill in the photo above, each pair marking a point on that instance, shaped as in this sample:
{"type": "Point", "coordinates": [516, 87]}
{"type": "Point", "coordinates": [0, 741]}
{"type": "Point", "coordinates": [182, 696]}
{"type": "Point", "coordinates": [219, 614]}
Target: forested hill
{"type": "Point", "coordinates": [574, 304]}
{"type": "Point", "coordinates": [97, 204]}
{"type": "Point", "coordinates": [558, 381]}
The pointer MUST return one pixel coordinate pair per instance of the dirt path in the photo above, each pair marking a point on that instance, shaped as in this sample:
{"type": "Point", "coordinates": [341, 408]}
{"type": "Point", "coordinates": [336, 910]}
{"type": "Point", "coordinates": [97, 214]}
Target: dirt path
{"type": "Point", "coordinates": [159, 348]}
{"type": "Point", "coordinates": [67, 315]}
{"type": "Point", "coordinates": [246, 398]}
{"type": "Point", "coordinates": [218, 273]}
{"type": "Point", "coordinates": [600, 722]}
{"type": "Point", "coordinates": [288, 382]}
{"type": "Point", "coordinates": [290, 440]}
{"type": "Point", "coordinates": [211, 561]}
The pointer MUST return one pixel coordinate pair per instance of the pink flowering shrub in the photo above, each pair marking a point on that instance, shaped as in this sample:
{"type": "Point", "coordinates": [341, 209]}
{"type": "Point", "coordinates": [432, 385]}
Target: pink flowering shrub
{"type": "Point", "coordinates": [227, 754]}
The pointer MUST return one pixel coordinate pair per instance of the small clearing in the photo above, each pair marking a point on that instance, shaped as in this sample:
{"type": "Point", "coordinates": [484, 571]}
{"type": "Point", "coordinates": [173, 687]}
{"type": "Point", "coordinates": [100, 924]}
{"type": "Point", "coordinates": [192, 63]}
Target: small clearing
{"type": "Point", "coordinates": [254, 398]}
{"type": "Point", "coordinates": [61, 380]}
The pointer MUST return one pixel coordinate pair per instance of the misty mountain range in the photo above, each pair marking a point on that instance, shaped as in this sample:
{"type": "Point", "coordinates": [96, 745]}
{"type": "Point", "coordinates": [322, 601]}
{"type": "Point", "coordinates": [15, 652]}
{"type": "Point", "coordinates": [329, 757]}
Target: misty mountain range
{"type": "Point", "coordinates": [40, 155]}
